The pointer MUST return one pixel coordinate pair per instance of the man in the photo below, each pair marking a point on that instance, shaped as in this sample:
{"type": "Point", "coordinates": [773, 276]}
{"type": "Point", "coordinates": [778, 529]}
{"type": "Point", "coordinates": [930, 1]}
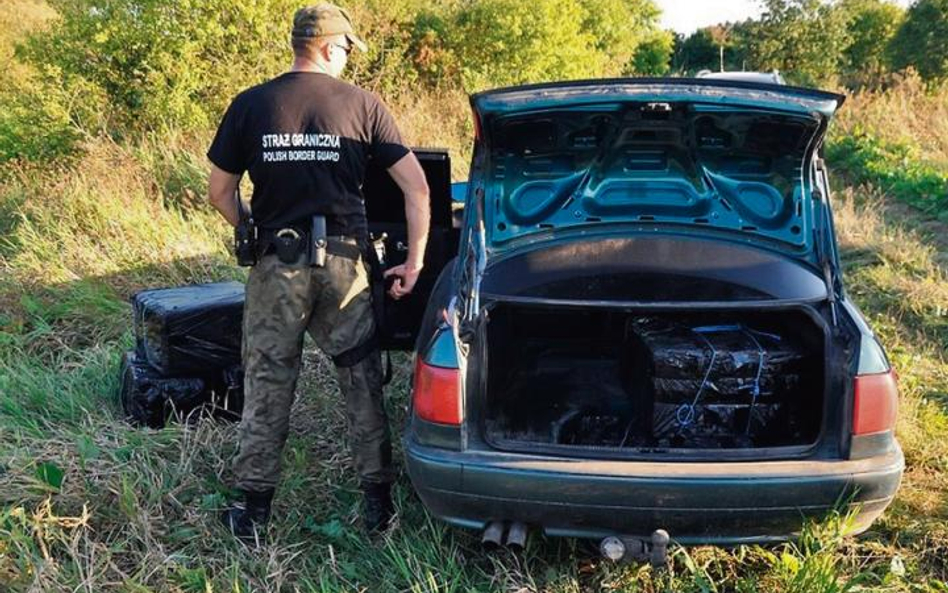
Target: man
{"type": "Point", "coordinates": [305, 138]}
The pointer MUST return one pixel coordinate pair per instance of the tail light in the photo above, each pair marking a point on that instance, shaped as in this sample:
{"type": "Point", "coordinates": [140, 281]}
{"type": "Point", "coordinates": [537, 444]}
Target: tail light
{"type": "Point", "coordinates": [876, 403]}
{"type": "Point", "coordinates": [436, 393]}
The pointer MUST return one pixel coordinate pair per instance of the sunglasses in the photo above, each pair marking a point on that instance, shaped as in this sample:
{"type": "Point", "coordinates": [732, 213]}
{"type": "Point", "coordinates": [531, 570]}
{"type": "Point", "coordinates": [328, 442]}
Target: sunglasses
{"type": "Point", "coordinates": [345, 48]}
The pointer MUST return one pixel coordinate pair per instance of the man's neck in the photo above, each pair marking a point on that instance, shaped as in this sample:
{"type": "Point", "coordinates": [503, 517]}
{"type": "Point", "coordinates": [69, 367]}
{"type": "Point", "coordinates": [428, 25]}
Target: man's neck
{"type": "Point", "coordinates": [305, 65]}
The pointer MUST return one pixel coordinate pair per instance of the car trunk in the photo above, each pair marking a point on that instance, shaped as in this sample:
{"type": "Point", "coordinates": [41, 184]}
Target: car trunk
{"type": "Point", "coordinates": [614, 382]}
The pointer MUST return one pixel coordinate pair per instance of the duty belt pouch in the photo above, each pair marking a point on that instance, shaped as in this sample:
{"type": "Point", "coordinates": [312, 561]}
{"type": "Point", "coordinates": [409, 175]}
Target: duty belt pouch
{"type": "Point", "coordinates": [245, 243]}
{"type": "Point", "coordinates": [317, 242]}
{"type": "Point", "coordinates": [287, 243]}
{"type": "Point", "coordinates": [245, 235]}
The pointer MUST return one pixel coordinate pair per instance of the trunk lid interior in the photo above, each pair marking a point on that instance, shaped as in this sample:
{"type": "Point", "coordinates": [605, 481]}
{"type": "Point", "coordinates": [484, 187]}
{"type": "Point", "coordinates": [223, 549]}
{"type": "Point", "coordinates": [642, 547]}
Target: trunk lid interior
{"type": "Point", "coordinates": [715, 157]}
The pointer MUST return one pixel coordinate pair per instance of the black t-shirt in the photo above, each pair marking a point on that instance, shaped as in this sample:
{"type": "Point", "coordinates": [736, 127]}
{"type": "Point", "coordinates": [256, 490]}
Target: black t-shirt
{"type": "Point", "coordinates": [306, 138]}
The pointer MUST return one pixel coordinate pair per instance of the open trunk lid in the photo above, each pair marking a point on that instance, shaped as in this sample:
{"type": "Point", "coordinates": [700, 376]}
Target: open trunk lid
{"type": "Point", "coordinates": [711, 157]}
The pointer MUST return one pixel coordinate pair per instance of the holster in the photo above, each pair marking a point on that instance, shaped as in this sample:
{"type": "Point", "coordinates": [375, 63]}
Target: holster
{"type": "Point", "coordinates": [245, 235]}
{"type": "Point", "coordinates": [245, 242]}
{"type": "Point", "coordinates": [373, 251]}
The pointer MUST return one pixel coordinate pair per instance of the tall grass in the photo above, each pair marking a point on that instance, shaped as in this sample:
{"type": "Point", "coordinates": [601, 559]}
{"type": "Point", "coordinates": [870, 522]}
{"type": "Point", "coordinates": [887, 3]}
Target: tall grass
{"type": "Point", "coordinates": [904, 112]}
{"type": "Point", "coordinates": [897, 139]}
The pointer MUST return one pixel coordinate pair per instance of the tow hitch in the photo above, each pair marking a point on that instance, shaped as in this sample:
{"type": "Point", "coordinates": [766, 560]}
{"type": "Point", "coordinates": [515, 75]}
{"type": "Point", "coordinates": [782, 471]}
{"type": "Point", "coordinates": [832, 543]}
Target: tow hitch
{"type": "Point", "coordinates": [619, 548]}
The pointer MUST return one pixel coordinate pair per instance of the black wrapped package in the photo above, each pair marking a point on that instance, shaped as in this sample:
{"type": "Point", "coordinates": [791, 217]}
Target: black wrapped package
{"type": "Point", "coordinates": [677, 351]}
{"type": "Point", "coordinates": [724, 390]}
{"type": "Point", "coordinates": [714, 425]}
{"type": "Point", "coordinates": [715, 386]}
{"type": "Point", "coordinates": [190, 329]}
{"type": "Point", "coordinates": [148, 397]}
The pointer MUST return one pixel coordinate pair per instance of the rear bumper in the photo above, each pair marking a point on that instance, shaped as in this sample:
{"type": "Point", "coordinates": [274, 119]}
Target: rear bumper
{"type": "Point", "coordinates": [697, 503]}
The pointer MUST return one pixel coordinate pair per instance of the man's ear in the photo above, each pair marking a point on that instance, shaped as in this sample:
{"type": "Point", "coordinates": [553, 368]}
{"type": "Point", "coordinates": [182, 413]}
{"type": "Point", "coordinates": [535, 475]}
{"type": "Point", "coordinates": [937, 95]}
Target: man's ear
{"type": "Point", "coordinates": [325, 50]}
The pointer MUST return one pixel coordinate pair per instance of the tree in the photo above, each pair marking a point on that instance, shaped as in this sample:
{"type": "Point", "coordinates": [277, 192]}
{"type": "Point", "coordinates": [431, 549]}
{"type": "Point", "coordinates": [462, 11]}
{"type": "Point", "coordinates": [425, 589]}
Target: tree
{"type": "Point", "coordinates": [696, 52]}
{"type": "Point", "coordinates": [620, 27]}
{"type": "Point", "coordinates": [508, 42]}
{"type": "Point", "coordinates": [703, 49]}
{"type": "Point", "coordinates": [803, 39]}
{"type": "Point", "coordinates": [505, 42]}
{"type": "Point", "coordinates": [653, 55]}
{"type": "Point", "coordinates": [922, 40]}
{"type": "Point", "coordinates": [871, 24]}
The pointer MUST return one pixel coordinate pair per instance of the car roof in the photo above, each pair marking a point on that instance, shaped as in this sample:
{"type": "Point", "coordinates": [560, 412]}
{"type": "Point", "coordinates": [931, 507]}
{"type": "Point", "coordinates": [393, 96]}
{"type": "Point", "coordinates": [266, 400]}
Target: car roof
{"type": "Point", "coordinates": [750, 93]}
{"type": "Point", "coordinates": [772, 77]}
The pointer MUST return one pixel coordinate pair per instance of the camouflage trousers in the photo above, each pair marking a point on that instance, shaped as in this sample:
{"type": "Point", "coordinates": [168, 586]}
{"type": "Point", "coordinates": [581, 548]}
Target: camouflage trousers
{"type": "Point", "coordinates": [334, 305]}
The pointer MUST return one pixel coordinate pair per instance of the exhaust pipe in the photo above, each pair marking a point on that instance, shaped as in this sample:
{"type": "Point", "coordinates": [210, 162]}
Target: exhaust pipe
{"type": "Point", "coordinates": [517, 537]}
{"type": "Point", "coordinates": [491, 539]}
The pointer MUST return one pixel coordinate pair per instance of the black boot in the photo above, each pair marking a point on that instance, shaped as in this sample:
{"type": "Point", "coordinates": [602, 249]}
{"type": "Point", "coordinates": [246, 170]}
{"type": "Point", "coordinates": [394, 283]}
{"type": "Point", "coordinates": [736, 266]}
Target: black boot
{"type": "Point", "coordinates": [377, 507]}
{"type": "Point", "coordinates": [247, 520]}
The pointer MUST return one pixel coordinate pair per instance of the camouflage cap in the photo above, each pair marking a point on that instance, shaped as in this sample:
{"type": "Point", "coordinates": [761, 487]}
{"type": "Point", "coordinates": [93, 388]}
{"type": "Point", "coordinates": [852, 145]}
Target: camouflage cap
{"type": "Point", "coordinates": [325, 19]}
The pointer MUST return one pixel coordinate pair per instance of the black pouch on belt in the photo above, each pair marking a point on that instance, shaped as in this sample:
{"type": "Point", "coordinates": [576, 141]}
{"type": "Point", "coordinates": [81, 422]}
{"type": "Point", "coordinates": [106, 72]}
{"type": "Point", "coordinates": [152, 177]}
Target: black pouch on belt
{"type": "Point", "coordinates": [287, 243]}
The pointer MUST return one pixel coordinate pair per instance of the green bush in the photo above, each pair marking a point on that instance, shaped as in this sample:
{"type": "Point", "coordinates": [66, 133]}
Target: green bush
{"type": "Point", "coordinates": [162, 63]}
{"type": "Point", "coordinates": [897, 167]}
{"type": "Point", "coordinates": [507, 42]}
{"type": "Point", "coordinates": [871, 24]}
{"type": "Point", "coordinates": [494, 43]}
{"type": "Point", "coordinates": [652, 56]}
{"type": "Point", "coordinates": [803, 39]}
{"type": "Point", "coordinates": [34, 126]}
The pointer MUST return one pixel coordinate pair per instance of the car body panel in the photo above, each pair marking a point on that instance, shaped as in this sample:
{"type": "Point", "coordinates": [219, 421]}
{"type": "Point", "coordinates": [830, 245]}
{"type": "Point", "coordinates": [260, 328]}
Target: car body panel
{"type": "Point", "coordinates": [722, 503]}
{"type": "Point", "coordinates": [708, 498]}
{"type": "Point", "coordinates": [625, 265]}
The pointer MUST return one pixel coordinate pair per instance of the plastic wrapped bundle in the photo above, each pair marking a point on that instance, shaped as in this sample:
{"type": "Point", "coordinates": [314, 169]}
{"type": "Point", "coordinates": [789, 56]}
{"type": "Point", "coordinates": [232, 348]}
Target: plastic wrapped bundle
{"type": "Point", "coordinates": [715, 386]}
{"type": "Point", "coordinates": [724, 390]}
{"type": "Point", "coordinates": [681, 352]}
{"type": "Point", "coordinates": [712, 425]}
{"type": "Point", "coordinates": [190, 329]}
{"type": "Point", "coordinates": [148, 397]}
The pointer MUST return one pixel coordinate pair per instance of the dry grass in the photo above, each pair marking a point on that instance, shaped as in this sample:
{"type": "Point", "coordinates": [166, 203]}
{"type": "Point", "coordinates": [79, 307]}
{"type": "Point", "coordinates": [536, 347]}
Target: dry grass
{"type": "Point", "coordinates": [906, 112]}
{"type": "Point", "coordinates": [439, 118]}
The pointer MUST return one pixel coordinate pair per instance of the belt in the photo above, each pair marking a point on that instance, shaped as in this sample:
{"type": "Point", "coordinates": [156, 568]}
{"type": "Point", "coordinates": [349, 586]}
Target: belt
{"type": "Point", "coordinates": [341, 245]}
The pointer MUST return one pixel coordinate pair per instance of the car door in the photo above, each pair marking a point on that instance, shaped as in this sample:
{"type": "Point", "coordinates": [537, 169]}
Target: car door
{"type": "Point", "coordinates": [385, 210]}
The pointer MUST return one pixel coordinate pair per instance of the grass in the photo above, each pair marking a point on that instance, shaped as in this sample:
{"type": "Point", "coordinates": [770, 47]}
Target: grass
{"type": "Point", "coordinates": [90, 504]}
{"type": "Point", "coordinates": [897, 140]}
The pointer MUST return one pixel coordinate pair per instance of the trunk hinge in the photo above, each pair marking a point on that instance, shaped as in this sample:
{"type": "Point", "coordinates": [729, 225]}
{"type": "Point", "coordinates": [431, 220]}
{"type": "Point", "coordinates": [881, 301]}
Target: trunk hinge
{"type": "Point", "coordinates": [824, 242]}
{"type": "Point", "coordinates": [475, 261]}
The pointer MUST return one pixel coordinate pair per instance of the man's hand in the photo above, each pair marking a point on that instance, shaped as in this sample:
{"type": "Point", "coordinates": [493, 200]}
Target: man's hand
{"type": "Point", "coordinates": [410, 177]}
{"type": "Point", "coordinates": [405, 278]}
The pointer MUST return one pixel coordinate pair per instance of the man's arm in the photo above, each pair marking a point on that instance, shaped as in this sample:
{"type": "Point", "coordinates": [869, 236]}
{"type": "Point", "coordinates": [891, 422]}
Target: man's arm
{"type": "Point", "coordinates": [410, 177]}
{"type": "Point", "coordinates": [221, 187]}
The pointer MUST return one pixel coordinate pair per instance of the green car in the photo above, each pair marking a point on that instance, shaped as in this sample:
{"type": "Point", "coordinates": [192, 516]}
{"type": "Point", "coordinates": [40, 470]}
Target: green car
{"type": "Point", "coordinates": [640, 324]}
